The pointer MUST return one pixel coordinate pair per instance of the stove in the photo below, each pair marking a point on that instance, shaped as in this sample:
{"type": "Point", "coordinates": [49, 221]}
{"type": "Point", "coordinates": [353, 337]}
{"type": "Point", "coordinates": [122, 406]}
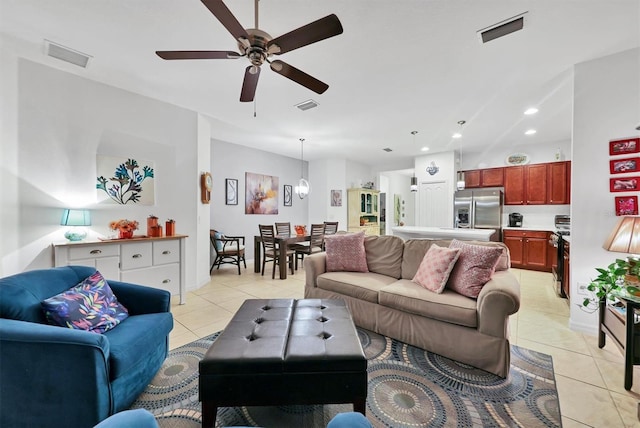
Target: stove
{"type": "Point", "coordinates": [562, 224]}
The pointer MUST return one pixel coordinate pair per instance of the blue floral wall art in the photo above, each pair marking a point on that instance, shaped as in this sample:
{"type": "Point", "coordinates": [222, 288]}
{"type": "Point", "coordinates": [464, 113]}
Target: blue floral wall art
{"type": "Point", "coordinates": [125, 180]}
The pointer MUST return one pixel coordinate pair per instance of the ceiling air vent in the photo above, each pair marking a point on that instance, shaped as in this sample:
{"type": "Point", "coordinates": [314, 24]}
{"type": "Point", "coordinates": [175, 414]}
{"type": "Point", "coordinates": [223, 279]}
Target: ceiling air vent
{"type": "Point", "coordinates": [306, 105]}
{"type": "Point", "coordinates": [66, 54]}
{"type": "Point", "coordinates": [502, 28]}
{"type": "Point", "coordinates": [387, 149]}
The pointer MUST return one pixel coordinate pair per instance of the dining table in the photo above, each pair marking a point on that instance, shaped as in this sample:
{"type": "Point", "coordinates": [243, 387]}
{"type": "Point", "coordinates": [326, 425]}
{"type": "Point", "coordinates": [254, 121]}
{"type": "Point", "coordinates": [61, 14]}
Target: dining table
{"type": "Point", "coordinates": [282, 242]}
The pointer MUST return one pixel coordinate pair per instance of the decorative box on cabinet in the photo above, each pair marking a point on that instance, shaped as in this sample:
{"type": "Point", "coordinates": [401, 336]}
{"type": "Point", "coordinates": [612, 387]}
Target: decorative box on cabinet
{"type": "Point", "coordinates": [528, 248]}
{"type": "Point", "coordinates": [155, 262]}
{"type": "Point", "coordinates": [363, 211]}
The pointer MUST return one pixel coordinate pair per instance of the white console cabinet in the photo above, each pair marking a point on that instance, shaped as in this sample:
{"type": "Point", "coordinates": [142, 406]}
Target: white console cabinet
{"type": "Point", "coordinates": [155, 262]}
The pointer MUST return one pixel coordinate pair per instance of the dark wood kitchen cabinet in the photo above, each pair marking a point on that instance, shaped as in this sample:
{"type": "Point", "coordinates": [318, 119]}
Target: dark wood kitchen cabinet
{"type": "Point", "coordinates": [538, 184]}
{"type": "Point", "coordinates": [558, 176]}
{"type": "Point", "coordinates": [528, 249]}
{"type": "Point", "coordinates": [489, 177]}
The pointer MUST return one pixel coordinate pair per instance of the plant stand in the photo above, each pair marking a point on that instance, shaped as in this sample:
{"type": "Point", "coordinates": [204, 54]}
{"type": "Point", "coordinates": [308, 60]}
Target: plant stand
{"type": "Point", "coordinates": [622, 326]}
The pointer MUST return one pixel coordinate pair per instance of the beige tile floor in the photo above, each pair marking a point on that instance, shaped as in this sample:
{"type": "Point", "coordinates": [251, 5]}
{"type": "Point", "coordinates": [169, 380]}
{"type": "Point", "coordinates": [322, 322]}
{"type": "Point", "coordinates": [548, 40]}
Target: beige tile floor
{"type": "Point", "coordinates": [589, 379]}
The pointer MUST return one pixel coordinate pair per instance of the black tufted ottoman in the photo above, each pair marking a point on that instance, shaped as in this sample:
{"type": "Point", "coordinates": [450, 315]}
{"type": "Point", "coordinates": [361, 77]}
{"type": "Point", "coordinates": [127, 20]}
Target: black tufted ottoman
{"type": "Point", "coordinates": [284, 351]}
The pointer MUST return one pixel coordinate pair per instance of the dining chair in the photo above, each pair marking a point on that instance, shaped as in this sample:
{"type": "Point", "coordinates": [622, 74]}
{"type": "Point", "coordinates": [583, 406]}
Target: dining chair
{"type": "Point", "coordinates": [283, 229]}
{"type": "Point", "coordinates": [330, 228]}
{"type": "Point", "coordinates": [270, 249]}
{"type": "Point", "coordinates": [227, 250]}
{"type": "Point", "coordinates": [314, 245]}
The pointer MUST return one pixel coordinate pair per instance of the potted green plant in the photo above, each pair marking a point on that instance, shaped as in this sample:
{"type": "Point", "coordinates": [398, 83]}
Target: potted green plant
{"type": "Point", "coordinates": [618, 276]}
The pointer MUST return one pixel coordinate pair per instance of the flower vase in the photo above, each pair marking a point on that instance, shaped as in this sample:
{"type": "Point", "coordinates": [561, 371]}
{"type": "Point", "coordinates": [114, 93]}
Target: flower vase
{"type": "Point", "coordinates": [126, 234]}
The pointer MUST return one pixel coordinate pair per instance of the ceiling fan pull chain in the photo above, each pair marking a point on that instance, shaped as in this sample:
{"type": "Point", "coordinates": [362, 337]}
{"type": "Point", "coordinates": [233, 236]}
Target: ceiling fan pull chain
{"type": "Point", "coordinates": [254, 107]}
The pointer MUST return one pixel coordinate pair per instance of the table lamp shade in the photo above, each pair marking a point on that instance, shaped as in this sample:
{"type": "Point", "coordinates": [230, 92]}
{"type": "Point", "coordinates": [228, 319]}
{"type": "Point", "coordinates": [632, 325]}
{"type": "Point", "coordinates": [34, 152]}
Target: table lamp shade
{"type": "Point", "coordinates": [625, 236]}
{"type": "Point", "coordinates": [76, 218]}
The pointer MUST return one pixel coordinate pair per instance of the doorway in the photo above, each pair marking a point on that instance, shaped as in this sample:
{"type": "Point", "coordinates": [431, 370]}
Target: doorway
{"type": "Point", "coordinates": [433, 202]}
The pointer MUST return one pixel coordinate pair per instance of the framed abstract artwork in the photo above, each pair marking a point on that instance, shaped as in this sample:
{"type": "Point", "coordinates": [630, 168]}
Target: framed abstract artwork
{"type": "Point", "coordinates": [336, 198]}
{"type": "Point", "coordinates": [288, 195]}
{"type": "Point", "coordinates": [261, 194]}
{"type": "Point", "coordinates": [626, 205]}
{"type": "Point", "coordinates": [621, 166]}
{"type": "Point", "coordinates": [624, 146]}
{"type": "Point", "coordinates": [624, 184]}
{"type": "Point", "coordinates": [231, 191]}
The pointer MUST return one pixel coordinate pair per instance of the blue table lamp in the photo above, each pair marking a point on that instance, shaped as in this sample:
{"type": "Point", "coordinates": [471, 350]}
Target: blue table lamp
{"type": "Point", "coordinates": [77, 219]}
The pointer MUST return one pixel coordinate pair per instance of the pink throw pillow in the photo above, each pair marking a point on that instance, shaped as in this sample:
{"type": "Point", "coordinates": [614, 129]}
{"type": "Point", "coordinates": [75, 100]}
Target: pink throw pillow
{"type": "Point", "coordinates": [474, 268]}
{"type": "Point", "coordinates": [345, 253]}
{"type": "Point", "coordinates": [434, 270]}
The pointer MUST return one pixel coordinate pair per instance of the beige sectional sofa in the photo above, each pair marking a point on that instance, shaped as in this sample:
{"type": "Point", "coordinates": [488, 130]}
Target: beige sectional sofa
{"type": "Point", "coordinates": [386, 301]}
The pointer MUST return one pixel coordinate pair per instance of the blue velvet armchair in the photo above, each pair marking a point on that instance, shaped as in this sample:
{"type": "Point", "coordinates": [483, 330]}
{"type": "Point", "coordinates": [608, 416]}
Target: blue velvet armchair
{"type": "Point", "coordinates": [57, 376]}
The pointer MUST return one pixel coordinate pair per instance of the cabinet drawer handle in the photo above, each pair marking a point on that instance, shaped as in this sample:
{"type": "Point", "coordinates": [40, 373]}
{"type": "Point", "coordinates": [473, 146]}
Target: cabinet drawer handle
{"type": "Point", "coordinates": [166, 252]}
{"type": "Point", "coordinates": [166, 281]}
{"type": "Point", "coordinates": [137, 256]}
{"type": "Point", "coordinates": [95, 251]}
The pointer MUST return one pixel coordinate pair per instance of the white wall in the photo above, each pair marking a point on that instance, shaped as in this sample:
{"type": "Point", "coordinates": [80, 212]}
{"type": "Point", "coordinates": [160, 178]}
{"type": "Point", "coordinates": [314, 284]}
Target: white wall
{"type": "Point", "coordinates": [606, 107]}
{"type": "Point", "coordinates": [326, 175]}
{"type": "Point", "coordinates": [56, 123]}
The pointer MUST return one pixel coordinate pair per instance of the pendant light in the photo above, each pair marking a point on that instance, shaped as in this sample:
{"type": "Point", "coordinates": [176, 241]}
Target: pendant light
{"type": "Point", "coordinates": [460, 184]}
{"type": "Point", "coordinates": [414, 179]}
{"type": "Point", "coordinates": [303, 188]}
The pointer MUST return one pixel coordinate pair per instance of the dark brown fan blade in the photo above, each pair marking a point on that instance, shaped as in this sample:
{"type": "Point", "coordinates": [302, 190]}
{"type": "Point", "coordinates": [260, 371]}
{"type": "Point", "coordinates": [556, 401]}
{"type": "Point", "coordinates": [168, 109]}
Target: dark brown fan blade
{"type": "Point", "coordinates": [299, 76]}
{"type": "Point", "coordinates": [226, 18]}
{"type": "Point", "coordinates": [249, 84]}
{"type": "Point", "coordinates": [321, 29]}
{"type": "Point", "coordinates": [198, 54]}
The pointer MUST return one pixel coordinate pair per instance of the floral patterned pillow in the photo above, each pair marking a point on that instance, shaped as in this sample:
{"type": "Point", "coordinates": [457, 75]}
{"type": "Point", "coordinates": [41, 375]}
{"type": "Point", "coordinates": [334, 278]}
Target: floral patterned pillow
{"type": "Point", "coordinates": [90, 306]}
{"type": "Point", "coordinates": [345, 253]}
{"type": "Point", "coordinates": [474, 268]}
{"type": "Point", "coordinates": [434, 270]}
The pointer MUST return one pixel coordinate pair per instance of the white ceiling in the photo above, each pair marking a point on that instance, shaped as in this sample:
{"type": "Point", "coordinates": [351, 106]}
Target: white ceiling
{"type": "Point", "coordinates": [399, 66]}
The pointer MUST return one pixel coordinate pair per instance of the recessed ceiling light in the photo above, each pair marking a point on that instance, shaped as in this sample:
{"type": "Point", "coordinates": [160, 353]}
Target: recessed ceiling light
{"type": "Point", "coordinates": [530, 132]}
{"type": "Point", "coordinates": [457, 135]}
{"type": "Point", "coordinates": [531, 111]}
{"type": "Point", "coordinates": [425, 149]}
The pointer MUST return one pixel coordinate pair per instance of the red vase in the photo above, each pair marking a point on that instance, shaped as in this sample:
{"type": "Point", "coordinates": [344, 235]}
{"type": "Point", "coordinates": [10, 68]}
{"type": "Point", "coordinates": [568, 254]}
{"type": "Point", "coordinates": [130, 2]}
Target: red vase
{"type": "Point", "coordinates": [126, 234]}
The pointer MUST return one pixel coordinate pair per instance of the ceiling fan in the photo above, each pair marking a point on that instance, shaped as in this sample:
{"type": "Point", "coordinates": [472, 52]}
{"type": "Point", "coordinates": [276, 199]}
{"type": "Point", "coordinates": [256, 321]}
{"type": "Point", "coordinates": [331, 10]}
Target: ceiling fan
{"type": "Point", "coordinates": [258, 46]}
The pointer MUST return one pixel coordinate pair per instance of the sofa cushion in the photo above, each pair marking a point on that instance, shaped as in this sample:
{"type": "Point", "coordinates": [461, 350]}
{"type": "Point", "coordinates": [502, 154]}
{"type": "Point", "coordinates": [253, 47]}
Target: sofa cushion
{"type": "Point", "coordinates": [435, 268]}
{"type": "Point", "coordinates": [474, 267]}
{"type": "Point", "coordinates": [346, 253]}
{"type": "Point", "coordinates": [384, 254]}
{"type": "Point", "coordinates": [136, 336]}
{"type": "Point", "coordinates": [449, 306]}
{"type": "Point", "coordinates": [362, 286]}
{"type": "Point", "coordinates": [90, 306]}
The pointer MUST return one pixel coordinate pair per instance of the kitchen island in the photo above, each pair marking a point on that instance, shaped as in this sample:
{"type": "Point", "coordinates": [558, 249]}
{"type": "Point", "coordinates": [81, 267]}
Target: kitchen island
{"type": "Point", "coordinates": [417, 232]}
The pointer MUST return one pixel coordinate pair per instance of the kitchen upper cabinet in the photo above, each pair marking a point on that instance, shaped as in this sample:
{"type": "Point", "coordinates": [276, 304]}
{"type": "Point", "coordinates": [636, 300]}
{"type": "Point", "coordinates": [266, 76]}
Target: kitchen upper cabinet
{"type": "Point", "coordinates": [472, 178]}
{"type": "Point", "coordinates": [514, 185]}
{"type": "Point", "coordinates": [537, 184]}
{"type": "Point", "coordinates": [529, 249]}
{"type": "Point", "coordinates": [490, 177]}
{"type": "Point", "coordinates": [558, 176]}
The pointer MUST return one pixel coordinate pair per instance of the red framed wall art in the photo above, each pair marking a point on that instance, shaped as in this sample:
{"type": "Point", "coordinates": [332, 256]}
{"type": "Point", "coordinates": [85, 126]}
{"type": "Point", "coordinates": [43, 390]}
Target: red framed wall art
{"type": "Point", "coordinates": [624, 146]}
{"type": "Point", "coordinates": [624, 184]}
{"type": "Point", "coordinates": [626, 205]}
{"type": "Point", "coordinates": [625, 165]}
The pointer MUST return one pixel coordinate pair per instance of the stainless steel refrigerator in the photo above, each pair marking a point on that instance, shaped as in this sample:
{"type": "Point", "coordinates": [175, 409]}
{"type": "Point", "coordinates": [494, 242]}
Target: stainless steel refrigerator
{"type": "Point", "coordinates": [479, 209]}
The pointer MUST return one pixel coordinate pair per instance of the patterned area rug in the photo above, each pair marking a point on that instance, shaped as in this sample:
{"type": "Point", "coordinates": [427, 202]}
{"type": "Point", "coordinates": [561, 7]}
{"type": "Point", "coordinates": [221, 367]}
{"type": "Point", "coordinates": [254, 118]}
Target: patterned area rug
{"type": "Point", "coordinates": [408, 387]}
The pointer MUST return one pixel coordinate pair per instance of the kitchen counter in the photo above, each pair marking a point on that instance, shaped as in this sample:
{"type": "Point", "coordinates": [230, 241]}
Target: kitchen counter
{"type": "Point", "coordinates": [417, 232]}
